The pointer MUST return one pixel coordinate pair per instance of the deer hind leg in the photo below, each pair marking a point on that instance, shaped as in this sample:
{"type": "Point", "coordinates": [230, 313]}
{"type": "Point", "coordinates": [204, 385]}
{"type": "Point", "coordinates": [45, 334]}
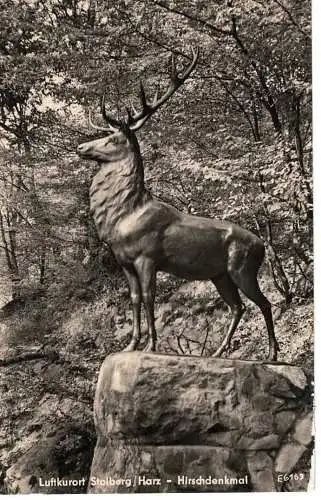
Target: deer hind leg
{"type": "Point", "coordinates": [230, 294]}
{"type": "Point", "coordinates": [146, 271]}
{"type": "Point", "coordinates": [248, 284]}
{"type": "Point", "coordinates": [135, 295]}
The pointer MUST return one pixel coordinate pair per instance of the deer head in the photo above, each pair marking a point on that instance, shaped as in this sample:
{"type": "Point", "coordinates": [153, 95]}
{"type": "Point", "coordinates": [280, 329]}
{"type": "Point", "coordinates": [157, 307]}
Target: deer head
{"type": "Point", "coordinates": [120, 138]}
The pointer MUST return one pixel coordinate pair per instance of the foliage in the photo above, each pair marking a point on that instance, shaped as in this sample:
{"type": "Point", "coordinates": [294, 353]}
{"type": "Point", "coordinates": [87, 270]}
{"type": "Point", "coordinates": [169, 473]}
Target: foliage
{"type": "Point", "coordinates": [245, 134]}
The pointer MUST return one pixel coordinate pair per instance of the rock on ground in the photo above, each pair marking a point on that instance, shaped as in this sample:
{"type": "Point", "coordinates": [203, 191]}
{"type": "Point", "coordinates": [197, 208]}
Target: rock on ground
{"type": "Point", "coordinates": [183, 423]}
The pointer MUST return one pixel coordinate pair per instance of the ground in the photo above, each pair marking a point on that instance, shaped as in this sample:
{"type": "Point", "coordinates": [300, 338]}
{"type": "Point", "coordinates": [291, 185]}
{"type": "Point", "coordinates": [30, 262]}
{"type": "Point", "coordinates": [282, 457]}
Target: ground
{"type": "Point", "coordinates": [44, 396]}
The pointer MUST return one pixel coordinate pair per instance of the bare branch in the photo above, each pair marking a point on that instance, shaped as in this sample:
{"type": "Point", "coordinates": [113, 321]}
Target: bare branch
{"type": "Point", "coordinates": [293, 21]}
{"type": "Point", "coordinates": [190, 17]}
{"type": "Point", "coordinates": [29, 356]}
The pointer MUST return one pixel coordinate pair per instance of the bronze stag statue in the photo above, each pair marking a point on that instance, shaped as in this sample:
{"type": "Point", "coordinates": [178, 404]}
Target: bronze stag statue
{"type": "Point", "coordinates": [147, 235]}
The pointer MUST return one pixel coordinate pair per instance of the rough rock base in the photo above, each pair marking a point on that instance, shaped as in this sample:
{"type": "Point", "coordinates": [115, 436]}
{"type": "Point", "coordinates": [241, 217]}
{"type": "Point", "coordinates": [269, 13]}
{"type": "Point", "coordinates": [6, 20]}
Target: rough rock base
{"type": "Point", "coordinates": [179, 424]}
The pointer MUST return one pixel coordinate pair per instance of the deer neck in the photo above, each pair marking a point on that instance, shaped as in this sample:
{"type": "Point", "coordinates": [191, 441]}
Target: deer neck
{"type": "Point", "coordinates": [116, 191]}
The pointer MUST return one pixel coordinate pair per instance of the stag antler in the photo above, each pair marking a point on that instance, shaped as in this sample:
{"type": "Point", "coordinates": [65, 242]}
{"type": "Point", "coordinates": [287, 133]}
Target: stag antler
{"type": "Point", "coordinates": [137, 118]}
{"type": "Point", "coordinates": [113, 124]}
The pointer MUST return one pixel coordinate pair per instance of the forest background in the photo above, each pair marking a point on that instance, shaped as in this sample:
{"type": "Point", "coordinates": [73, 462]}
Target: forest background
{"type": "Point", "coordinates": [235, 143]}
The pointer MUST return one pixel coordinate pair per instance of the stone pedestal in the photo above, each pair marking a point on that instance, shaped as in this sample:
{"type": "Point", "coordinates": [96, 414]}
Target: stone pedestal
{"type": "Point", "coordinates": [179, 424]}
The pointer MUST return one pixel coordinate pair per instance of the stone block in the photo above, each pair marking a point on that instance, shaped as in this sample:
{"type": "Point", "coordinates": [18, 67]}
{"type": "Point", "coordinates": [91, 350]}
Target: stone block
{"type": "Point", "coordinates": [173, 468]}
{"type": "Point", "coordinates": [288, 456]}
{"type": "Point", "coordinates": [303, 429]}
{"type": "Point", "coordinates": [284, 421]}
{"type": "Point", "coordinates": [292, 373]}
{"type": "Point", "coordinates": [260, 466]}
{"type": "Point", "coordinates": [195, 418]}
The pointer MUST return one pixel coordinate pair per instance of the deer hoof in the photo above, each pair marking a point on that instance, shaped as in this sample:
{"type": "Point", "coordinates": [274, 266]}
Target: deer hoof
{"type": "Point", "coordinates": [150, 348]}
{"type": "Point", "coordinates": [273, 356]}
{"type": "Point", "coordinates": [273, 352]}
{"type": "Point", "coordinates": [219, 352]}
{"type": "Point", "coordinates": [131, 347]}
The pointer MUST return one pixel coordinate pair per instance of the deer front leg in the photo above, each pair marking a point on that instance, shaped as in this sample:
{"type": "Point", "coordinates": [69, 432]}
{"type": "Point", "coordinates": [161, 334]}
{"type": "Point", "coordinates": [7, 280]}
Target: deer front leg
{"type": "Point", "coordinates": [135, 295]}
{"type": "Point", "coordinates": [146, 271]}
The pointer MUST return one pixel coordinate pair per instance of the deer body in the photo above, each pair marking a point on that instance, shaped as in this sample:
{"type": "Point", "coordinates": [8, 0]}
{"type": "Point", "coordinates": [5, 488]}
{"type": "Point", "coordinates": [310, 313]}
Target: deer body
{"type": "Point", "coordinates": [189, 247]}
{"type": "Point", "coordinates": [147, 235]}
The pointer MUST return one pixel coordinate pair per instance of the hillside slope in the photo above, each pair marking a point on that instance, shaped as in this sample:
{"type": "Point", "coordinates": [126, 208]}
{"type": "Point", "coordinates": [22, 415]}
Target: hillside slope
{"type": "Point", "coordinates": [48, 400]}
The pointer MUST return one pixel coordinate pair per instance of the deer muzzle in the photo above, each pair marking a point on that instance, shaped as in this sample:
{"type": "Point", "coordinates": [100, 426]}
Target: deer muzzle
{"type": "Point", "coordinates": [84, 149]}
